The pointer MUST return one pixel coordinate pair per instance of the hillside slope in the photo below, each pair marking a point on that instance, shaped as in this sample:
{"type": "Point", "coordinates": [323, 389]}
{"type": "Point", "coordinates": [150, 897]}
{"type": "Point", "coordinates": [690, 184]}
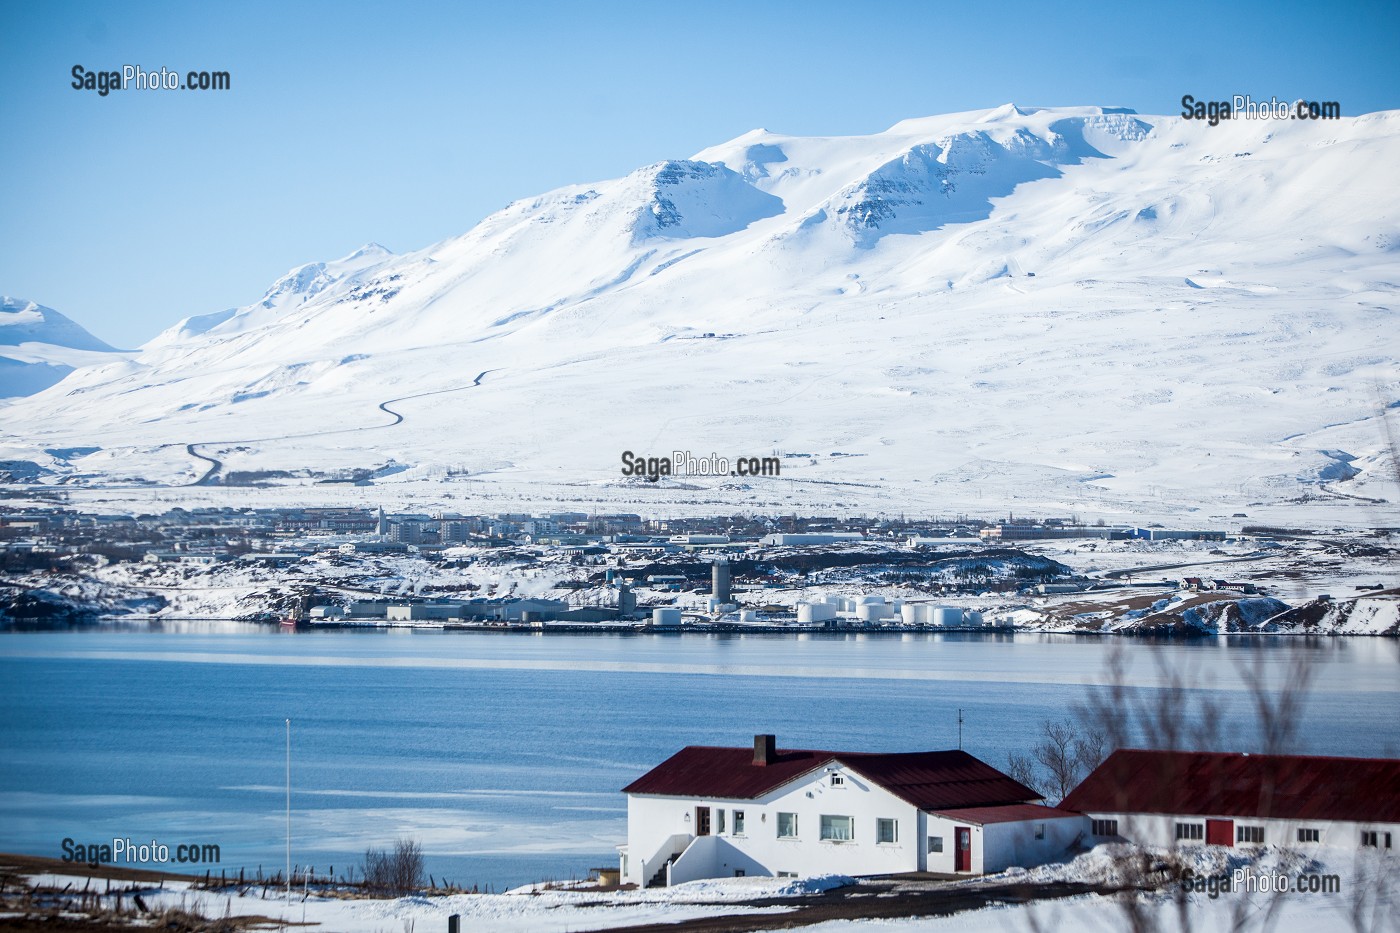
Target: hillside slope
{"type": "Point", "coordinates": [1066, 309]}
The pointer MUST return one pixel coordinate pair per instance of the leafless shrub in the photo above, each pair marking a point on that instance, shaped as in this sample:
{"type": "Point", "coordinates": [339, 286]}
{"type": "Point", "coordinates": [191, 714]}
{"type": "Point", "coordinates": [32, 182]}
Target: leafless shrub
{"type": "Point", "coordinates": [397, 872]}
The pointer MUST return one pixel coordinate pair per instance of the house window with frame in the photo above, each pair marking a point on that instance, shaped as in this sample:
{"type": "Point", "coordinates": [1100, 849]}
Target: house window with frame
{"type": "Point", "coordinates": [1103, 828]}
{"type": "Point", "coordinates": [838, 780]}
{"type": "Point", "coordinates": [1371, 839]}
{"type": "Point", "coordinates": [887, 831]}
{"type": "Point", "coordinates": [935, 844]}
{"type": "Point", "coordinates": [738, 822]}
{"type": "Point", "coordinates": [1309, 835]}
{"type": "Point", "coordinates": [1040, 830]}
{"type": "Point", "coordinates": [787, 825]}
{"type": "Point", "coordinates": [719, 822]}
{"type": "Point", "coordinates": [1253, 835]}
{"type": "Point", "coordinates": [1191, 832]}
{"type": "Point", "coordinates": [837, 828]}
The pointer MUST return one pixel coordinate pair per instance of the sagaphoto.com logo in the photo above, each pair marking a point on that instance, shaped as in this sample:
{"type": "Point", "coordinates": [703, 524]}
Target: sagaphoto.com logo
{"type": "Point", "coordinates": [134, 77]}
{"type": "Point", "coordinates": [1244, 107]}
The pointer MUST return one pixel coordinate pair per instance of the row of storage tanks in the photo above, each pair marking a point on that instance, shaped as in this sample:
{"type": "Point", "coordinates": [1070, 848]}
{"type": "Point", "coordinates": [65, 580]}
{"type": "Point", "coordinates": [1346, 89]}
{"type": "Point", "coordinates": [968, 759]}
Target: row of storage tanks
{"type": "Point", "coordinates": [875, 609]}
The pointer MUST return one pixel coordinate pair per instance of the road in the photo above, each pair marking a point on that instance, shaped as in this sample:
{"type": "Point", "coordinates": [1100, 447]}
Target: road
{"type": "Point", "coordinates": [215, 465]}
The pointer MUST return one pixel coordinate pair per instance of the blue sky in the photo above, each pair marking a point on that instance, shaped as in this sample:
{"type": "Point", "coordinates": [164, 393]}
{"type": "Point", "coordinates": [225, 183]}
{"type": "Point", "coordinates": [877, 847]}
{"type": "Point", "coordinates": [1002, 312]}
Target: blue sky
{"type": "Point", "coordinates": [406, 123]}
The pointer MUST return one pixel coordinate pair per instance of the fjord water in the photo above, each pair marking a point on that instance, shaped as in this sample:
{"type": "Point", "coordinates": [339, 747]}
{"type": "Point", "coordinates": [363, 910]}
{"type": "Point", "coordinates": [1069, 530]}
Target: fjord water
{"type": "Point", "coordinates": [503, 754]}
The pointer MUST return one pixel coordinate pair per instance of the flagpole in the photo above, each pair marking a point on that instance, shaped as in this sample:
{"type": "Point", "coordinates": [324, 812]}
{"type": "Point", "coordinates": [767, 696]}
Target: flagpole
{"type": "Point", "coordinates": [289, 811]}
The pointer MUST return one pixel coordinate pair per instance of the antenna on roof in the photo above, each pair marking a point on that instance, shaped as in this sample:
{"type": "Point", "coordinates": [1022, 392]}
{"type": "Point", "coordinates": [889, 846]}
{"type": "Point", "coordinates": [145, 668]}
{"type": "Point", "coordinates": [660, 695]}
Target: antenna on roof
{"type": "Point", "coordinates": [960, 728]}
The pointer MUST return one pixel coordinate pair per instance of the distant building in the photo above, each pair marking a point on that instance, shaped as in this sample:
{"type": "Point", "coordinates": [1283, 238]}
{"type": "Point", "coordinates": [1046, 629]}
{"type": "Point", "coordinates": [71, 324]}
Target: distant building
{"type": "Point", "coordinates": [720, 588]}
{"type": "Point", "coordinates": [1008, 532]}
{"type": "Point", "coordinates": [1165, 534]}
{"type": "Point", "coordinates": [1163, 798]}
{"type": "Point", "coordinates": [812, 537]}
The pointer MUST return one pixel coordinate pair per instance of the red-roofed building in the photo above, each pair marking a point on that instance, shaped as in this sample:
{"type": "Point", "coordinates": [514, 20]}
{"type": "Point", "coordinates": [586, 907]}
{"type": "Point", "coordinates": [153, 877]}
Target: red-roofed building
{"type": "Point", "coordinates": [1183, 798]}
{"type": "Point", "coordinates": [721, 812]}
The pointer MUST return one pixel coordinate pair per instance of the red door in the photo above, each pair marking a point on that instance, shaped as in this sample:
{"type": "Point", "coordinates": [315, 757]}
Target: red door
{"type": "Point", "coordinates": [1220, 832]}
{"type": "Point", "coordinates": [962, 848]}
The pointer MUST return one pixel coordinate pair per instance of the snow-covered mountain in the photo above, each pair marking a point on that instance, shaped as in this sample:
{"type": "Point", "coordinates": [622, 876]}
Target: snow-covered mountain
{"type": "Point", "coordinates": [1075, 309]}
{"type": "Point", "coordinates": [39, 346]}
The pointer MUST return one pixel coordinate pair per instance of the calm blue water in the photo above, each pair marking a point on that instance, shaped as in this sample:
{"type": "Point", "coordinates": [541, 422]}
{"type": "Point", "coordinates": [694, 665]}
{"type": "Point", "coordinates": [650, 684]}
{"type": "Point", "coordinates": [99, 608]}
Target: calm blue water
{"type": "Point", "coordinates": [503, 754]}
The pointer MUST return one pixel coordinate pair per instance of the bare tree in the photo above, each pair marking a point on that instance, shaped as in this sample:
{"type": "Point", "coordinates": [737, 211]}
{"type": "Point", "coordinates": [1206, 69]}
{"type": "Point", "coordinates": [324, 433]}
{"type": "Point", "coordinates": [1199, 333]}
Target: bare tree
{"type": "Point", "coordinates": [1067, 751]}
{"type": "Point", "coordinates": [396, 872]}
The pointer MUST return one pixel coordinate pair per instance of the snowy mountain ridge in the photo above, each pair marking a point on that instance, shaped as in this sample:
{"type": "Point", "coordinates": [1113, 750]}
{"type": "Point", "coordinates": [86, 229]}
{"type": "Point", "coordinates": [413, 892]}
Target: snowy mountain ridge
{"type": "Point", "coordinates": [1073, 307]}
{"type": "Point", "coordinates": [39, 346]}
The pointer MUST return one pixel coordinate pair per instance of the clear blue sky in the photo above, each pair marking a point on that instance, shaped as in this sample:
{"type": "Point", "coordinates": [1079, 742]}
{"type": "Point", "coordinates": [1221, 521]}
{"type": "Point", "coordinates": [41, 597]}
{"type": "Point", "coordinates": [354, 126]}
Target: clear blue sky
{"type": "Point", "coordinates": [406, 123]}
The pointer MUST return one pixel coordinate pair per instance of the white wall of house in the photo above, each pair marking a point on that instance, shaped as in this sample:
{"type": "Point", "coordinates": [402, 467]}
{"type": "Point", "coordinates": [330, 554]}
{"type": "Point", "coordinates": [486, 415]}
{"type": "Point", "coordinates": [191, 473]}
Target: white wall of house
{"type": "Point", "coordinates": [1033, 842]}
{"type": "Point", "coordinates": [1160, 830]}
{"type": "Point", "coordinates": [758, 850]}
{"type": "Point", "coordinates": [940, 844]}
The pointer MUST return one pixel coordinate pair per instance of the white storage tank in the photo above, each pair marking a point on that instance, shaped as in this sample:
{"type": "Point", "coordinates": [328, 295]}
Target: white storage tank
{"type": "Point", "coordinates": [870, 600]}
{"type": "Point", "coordinates": [972, 617]}
{"type": "Point", "coordinates": [671, 617]}
{"type": "Point", "coordinates": [871, 612]}
{"type": "Point", "coordinates": [909, 614]}
{"type": "Point", "coordinates": [947, 615]}
{"type": "Point", "coordinates": [748, 615]}
{"type": "Point", "coordinates": [815, 612]}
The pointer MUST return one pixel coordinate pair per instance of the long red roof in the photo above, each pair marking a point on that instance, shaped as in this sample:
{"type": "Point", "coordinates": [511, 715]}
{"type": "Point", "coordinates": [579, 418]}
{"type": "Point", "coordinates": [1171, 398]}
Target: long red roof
{"type": "Point", "coordinates": [928, 780]}
{"type": "Point", "coordinates": [1239, 785]}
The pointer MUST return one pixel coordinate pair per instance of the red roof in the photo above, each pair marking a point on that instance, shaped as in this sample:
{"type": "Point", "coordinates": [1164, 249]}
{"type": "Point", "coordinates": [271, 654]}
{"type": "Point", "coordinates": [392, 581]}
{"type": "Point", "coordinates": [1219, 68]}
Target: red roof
{"type": "Point", "coordinates": [928, 780]}
{"type": "Point", "coordinates": [1011, 813]}
{"type": "Point", "coordinates": [1226, 784]}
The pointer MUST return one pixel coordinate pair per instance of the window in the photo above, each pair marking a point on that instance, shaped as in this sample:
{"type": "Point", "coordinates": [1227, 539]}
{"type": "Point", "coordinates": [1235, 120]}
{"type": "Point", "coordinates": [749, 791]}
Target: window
{"type": "Point", "coordinates": [738, 873]}
{"type": "Point", "coordinates": [1103, 827]}
{"type": "Point", "coordinates": [738, 822]}
{"type": "Point", "coordinates": [935, 844]}
{"type": "Point", "coordinates": [1370, 838]}
{"type": "Point", "coordinates": [787, 874]}
{"type": "Point", "coordinates": [1190, 831]}
{"type": "Point", "coordinates": [838, 780]}
{"type": "Point", "coordinates": [1040, 830]}
{"type": "Point", "coordinates": [837, 828]}
{"type": "Point", "coordinates": [787, 825]}
{"type": "Point", "coordinates": [887, 831]}
{"type": "Point", "coordinates": [1254, 834]}
{"type": "Point", "coordinates": [1309, 835]}
{"type": "Point", "coordinates": [719, 822]}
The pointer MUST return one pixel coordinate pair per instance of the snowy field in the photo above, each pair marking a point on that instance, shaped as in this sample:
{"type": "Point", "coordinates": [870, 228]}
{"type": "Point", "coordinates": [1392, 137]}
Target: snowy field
{"type": "Point", "coordinates": [526, 910]}
{"type": "Point", "coordinates": [1367, 887]}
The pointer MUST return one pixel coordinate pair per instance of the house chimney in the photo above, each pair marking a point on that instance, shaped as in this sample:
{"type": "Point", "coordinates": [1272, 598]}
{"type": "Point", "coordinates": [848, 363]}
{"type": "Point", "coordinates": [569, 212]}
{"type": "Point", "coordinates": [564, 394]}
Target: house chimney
{"type": "Point", "coordinates": [765, 749]}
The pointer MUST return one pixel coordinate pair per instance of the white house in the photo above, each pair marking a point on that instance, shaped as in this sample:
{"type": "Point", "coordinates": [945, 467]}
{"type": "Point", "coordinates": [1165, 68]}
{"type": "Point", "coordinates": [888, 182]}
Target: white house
{"type": "Point", "coordinates": [1166, 798]}
{"type": "Point", "coordinates": [723, 812]}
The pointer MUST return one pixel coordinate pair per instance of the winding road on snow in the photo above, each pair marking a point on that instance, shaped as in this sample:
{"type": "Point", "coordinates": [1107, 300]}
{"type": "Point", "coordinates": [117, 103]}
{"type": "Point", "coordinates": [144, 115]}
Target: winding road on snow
{"type": "Point", "coordinates": [215, 465]}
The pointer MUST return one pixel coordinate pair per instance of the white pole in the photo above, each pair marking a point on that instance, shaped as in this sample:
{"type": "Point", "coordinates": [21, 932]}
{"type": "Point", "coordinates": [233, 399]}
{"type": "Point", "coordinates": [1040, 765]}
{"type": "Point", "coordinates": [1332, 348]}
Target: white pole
{"type": "Point", "coordinates": [289, 811]}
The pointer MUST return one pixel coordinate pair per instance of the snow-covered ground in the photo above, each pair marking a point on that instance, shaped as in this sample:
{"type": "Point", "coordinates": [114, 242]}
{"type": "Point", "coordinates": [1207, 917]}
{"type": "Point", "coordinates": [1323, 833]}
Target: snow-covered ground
{"type": "Point", "coordinates": [533, 909]}
{"type": "Point", "coordinates": [1047, 310]}
{"type": "Point", "coordinates": [1369, 881]}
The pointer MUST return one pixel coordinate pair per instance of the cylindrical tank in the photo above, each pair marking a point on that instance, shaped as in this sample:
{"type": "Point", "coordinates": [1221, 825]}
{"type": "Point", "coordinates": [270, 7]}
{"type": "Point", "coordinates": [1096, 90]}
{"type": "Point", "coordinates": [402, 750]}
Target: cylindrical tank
{"type": "Point", "coordinates": [748, 615]}
{"type": "Point", "coordinates": [870, 612]}
{"type": "Point", "coordinates": [909, 613]}
{"type": "Point", "coordinates": [665, 617]}
{"type": "Point", "coordinates": [947, 615]}
{"type": "Point", "coordinates": [972, 617]}
{"type": "Point", "coordinates": [870, 600]}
